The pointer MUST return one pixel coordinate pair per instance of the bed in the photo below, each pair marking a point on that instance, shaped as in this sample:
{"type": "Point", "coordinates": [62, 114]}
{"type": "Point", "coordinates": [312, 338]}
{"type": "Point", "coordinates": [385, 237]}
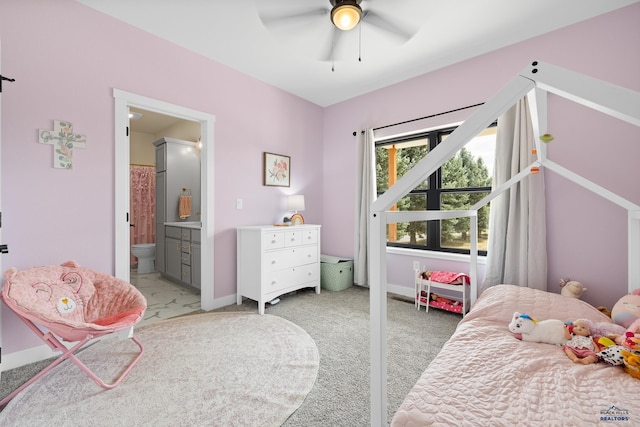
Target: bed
{"type": "Point", "coordinates": [484, 376]}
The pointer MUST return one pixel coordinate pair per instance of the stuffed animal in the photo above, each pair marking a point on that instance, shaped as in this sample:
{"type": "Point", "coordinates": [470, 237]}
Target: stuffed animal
{"type": "Point", "coordinates": [612, 355]}
{"type": "Point", "coordinates": [627, 309]}
{"type": "Point", "coordinates": [604, 310]}
{"type": "Point", "coordinates": [571, 288]}
{"type": "Point", "coordinates": [527, 328]}
{"type": "Point", "coordinates": [631, 336]}
{"type": "Point", "coordinates": [631, 363]}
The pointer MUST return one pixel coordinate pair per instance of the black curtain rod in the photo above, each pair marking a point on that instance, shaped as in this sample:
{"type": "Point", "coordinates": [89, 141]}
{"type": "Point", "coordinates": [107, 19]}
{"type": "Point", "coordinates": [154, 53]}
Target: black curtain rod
{"type": "Point", "coordinates": [425, 117]}
{"type": "Point", "coordinates": [9, 80]}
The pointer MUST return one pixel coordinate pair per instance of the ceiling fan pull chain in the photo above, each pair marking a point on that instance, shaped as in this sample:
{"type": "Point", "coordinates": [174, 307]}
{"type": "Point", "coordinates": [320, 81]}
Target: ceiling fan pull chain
{"type": "Point", "coordinates": [333, 52]}
{"type": "Point", "coordinates": [360, 41]}
{"type": "Point", "coordinates": [333, 61]}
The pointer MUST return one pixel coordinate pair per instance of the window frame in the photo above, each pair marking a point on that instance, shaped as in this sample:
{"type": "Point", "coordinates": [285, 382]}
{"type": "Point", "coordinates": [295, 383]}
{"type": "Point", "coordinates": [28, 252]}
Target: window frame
{"type": "Point", "coordinates": [434, 191]}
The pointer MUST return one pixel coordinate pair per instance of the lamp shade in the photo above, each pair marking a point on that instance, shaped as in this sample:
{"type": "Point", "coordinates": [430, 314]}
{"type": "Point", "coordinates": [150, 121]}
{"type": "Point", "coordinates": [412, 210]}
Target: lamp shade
{"type": "Point", "coordinates": [296, 202]}
{"type": "Point", "coordinates": [346, 16]}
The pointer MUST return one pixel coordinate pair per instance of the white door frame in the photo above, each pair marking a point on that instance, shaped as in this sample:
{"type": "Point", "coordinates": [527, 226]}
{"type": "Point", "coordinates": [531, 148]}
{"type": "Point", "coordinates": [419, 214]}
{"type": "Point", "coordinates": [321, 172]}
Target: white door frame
{"type": "Point", "coordinates": [124, 100]}
{"type": "Point", "coordinates": [0, 209]}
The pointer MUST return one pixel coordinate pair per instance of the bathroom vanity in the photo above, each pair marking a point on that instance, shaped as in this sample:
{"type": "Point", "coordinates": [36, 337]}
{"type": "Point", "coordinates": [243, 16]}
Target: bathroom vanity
{"type": "Point", "coordinates": [182, 253]}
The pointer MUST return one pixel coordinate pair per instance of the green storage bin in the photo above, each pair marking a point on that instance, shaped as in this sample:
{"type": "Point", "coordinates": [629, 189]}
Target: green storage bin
{"type": "Point", "coordinates": [336, 274]}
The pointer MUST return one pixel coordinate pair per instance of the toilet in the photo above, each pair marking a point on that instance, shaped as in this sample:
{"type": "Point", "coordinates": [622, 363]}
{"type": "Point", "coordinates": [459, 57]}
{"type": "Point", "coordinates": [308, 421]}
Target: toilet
{"type": "Point", "coordinates": [146, 254]}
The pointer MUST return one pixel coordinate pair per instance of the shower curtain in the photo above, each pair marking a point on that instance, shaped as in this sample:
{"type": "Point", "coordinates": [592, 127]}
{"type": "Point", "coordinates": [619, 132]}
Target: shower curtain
{"type": "Point", "coordinates": [142, 202]}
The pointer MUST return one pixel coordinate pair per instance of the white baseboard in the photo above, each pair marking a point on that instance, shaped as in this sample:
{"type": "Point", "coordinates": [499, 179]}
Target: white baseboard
{"type": "Point", "coordinates": [29, 355]}
{"type": "Point", "coordinates": [394, 289]}
{"type": "Point", "coordinates": [224, 301]}
{"type": "Point", "coordinates": [400, 290]}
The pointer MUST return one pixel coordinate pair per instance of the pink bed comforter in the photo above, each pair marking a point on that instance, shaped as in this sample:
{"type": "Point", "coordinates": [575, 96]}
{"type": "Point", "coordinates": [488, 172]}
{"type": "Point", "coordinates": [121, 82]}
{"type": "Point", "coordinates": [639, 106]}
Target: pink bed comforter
{"type": "Point", "coordinates": [483, 376]}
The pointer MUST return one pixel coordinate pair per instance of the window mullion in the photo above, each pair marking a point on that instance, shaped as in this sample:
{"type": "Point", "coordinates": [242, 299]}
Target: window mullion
{"type": "Point", "coordinates": [433, 200]}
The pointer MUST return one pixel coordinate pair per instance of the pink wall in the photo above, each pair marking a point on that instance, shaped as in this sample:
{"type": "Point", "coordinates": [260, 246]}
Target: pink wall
{"type": "Point", "coordinates": [66, 59]}
{"type": "Point", "coordinates": [67, 72]}
{"type": "Point", "coordinates": [587, 236]}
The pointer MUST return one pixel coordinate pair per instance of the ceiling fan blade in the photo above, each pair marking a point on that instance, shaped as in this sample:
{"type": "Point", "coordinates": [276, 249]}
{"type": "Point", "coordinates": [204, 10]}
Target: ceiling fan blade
{"type": "Point", "coordinates": [330, 48]}
{"type": "Point", "coordinates": [270, 19]}
{"type": "Point", "coordinates": [372, 18]}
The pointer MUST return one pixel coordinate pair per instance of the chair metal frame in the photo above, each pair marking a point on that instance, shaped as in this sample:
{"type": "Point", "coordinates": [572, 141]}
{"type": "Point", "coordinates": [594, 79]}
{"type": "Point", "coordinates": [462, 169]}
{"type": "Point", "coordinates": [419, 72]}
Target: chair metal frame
{"type": "Point", "coordinates": [69, 353]}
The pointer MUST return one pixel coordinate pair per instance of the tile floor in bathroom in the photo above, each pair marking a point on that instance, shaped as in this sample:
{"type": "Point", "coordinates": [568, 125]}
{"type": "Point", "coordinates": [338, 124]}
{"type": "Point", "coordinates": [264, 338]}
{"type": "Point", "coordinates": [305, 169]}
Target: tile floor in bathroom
{"type": "Point", "coordinates": [165, 299]}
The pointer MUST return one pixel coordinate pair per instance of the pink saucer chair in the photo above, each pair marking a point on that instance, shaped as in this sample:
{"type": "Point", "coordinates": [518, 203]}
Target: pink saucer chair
{"type": "Point", "coordinates": [75, 304]}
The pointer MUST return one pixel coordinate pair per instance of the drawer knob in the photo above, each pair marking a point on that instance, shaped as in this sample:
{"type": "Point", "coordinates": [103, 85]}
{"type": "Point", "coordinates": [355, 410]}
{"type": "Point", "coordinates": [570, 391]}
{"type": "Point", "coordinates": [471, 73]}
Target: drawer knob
{"type": "Point", "coordinates": [273, 242]}
{"type": "Point", "coordinates": [273, 262]}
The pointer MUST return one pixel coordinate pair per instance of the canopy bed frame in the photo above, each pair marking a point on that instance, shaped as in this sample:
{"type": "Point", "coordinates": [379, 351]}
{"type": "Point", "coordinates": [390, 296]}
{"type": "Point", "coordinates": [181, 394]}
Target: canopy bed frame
{"type": "Point", "coordinates": [535, 81]}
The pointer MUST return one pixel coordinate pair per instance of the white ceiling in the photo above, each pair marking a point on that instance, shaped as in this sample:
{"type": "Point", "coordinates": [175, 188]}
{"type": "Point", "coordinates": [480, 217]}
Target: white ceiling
{"type": "Point", "coordinates": [151, 122]}
{"type": "Point", "coordinates": [293, 54]}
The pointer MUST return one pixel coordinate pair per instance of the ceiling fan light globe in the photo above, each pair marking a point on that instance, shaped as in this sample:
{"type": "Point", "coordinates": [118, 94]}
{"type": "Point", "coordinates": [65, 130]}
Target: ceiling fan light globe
{"type": "Point", "coordinates": [346, 16]}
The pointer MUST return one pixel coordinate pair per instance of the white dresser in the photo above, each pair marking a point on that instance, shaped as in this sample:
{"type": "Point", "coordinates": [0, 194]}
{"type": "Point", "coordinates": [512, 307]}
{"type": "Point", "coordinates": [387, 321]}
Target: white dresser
{"type": "Point", "coordinates": [273, 261]}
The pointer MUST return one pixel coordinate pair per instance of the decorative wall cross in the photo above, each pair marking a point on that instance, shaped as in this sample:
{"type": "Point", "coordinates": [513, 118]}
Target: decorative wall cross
{"type": "Point", "coordinates": [64, 141]}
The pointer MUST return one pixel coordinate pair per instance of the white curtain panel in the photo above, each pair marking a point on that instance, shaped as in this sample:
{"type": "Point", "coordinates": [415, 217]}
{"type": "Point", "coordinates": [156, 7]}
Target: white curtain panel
{"type": "Point", "coordinates": [365, 195]}
{"type": "Point", "coordinates": [517, 248]}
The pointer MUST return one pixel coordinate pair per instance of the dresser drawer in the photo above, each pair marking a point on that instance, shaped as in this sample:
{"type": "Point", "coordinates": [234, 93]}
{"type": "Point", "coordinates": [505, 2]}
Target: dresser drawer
{"type": "Point", "coordinates": [291, 277]}
{"type": "Point", "coordinates": [309, 237]}
{"type": "Point", "coordinates": [287, 258]}
{"type": "Point", "coordinates": [300, 237]}
{"type": "Point", "coordinates": [274, 240]}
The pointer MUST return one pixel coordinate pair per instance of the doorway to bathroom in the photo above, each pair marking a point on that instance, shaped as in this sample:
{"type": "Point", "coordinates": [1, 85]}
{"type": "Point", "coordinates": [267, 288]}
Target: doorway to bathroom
{"type": "Point", "coordinates": [171, 287]}
{"type": "Point", "coordinates": [126, 103]}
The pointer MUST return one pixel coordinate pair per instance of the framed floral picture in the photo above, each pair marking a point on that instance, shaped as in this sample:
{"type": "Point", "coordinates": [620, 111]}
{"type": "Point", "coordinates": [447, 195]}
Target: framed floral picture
{"type": "Point", "coordinates": [277, 170]}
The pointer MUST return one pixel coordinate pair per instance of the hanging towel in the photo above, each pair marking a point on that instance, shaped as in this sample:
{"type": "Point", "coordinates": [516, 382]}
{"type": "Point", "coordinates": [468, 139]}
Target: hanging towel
{"type": "Point", "coordinates": [184, 207]}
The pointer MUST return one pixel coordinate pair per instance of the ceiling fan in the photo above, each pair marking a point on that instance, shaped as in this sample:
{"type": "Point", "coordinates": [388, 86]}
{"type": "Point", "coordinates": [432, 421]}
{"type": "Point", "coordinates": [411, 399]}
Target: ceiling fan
{"type": "Point", "coordinates": [341, 15]}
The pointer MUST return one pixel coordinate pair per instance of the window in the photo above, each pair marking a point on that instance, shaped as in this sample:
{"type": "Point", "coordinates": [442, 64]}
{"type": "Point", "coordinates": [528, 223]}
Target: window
{"type": "Point", "coordinates": [461, 182]}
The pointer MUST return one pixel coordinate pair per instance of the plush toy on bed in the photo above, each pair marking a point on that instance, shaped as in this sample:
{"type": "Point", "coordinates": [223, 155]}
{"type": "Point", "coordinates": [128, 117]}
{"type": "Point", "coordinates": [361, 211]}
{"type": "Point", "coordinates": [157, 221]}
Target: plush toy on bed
{"type": "Point", "coordinates": [626, 313]}
{"type": "Point", "coordinates": [631, 363]}
{"type": "Point", "coordinates": [612, 355]}
{"type": "Point", "coordinates": [627, 309]}
{"type": "Point", "coordinates": [629, 338]}
{"type": "Point", "coordinates": [527, 328]}
{"type": "Point", "coordinates": [571, 288]}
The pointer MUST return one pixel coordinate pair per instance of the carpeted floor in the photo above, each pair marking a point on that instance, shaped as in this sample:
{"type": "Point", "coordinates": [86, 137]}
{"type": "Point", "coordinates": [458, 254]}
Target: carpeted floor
{"type": "Point", "coordinates": [338, 322]}
{"type": "Point", "coordinates": [221, 369]}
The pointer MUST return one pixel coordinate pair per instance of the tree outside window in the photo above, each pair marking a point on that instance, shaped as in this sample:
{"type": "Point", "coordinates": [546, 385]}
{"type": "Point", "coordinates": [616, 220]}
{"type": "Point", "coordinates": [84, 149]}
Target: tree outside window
{"type": "Point", "coordinates": [461, 182]}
